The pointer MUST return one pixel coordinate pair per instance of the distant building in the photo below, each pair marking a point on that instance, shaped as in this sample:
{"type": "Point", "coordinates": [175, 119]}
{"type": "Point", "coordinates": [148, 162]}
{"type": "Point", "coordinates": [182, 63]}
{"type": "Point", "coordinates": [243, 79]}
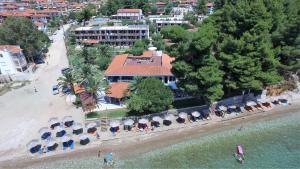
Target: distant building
{"type": "Point", "coordinates": [12, 60]}
{"type": "Point", "coordinates": [41, 26]}
{"type": "Point", "coordinates": [180, 11]}
{"type": "Point", "coordinates": [112, 35]}
{"type": "Point", "coordinates": [210, 8]}
{"type": "Point", "coordinates": [161, 21]}
{"type": "Point", "coordinates": [128, 14]}
{"type": "Point", "coordinates": [125, 67]}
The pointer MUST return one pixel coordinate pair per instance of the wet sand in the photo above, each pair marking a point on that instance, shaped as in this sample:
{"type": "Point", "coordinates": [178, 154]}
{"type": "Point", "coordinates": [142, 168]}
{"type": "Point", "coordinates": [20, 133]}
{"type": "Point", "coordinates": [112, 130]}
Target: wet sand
{"type": "Point", "coordinates": [128, 147]}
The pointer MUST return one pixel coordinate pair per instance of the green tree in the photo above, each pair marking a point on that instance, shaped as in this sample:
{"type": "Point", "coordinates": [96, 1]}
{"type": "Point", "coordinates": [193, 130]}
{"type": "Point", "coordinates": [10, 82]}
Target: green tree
{"type": "Point", "coordinates": [201, 7]}
{"type": "Point", "coordinates": [21, 31]}
{"type": "Point", "coordinates": [138, 48]}
{"type": "Point", "coordinates": [151, 96]}
{"type": "Point", "coordinates": [191, 17]}
{"type": "Point", "coordinates": [158, 41]}
{"type": "Point", "coordinates": [67, 80]}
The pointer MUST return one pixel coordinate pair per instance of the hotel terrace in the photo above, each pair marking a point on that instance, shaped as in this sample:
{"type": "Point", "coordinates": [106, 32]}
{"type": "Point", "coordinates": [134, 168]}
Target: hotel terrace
{"type": "Point", "coordinates": [112, 35]}
{"type": "Point", "coordinates": [125, 67]}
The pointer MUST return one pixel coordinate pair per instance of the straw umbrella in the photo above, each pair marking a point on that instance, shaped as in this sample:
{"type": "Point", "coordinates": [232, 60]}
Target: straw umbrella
{"type": "Point", "coordinates": [114, 125]}
{"type": "Point", "coordinates": [44, 133]}
{"type": "Point", "coordinates": [34, 146]}
{"type": "Point", "coordinates": [91, 127]}
{"type": "Point", "coordinates": [181, 117]}
{"type": "Point", "coordinates": [143, 121]}
{"type": "Point", "coordinates": [77, 129]}
{"type": "Point", "coordinates": [168, 119]}
{"type": "Point", "coordinates": [195, 114]}
{"type": "Point", "coordinates": [54, 122]}
{"type": "Point", "coordinates": [52, 145]}
{"type": "Point", "coordinates": [250, 103]}
{"type": "Point", "coordinates": [128, 124]}
{"type": "Point", "coordinates": [60, 131]}
{"type": "Point", "coordinates": [68, 121]}
{"type": "Point", "coordinates": [222, 108]}
{"type": "Point", "coordinates": [84, 139]}
{"type": "Point", "coordinates": [156, 118]}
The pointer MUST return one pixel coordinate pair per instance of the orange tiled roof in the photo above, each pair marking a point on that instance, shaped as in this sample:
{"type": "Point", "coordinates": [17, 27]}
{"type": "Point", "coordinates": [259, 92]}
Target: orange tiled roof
{"type": "Point", "coordinates": [128, 11]}
{"type": "Point", "coordinates": [91, 41]}
{"type": "Point", "coordinates": [119, 68]}
{"type": "Point", "coordinates": [38, 24]}
{"type": "Point", "coordinates": [11, 48]}
{"type": "Point", "coordinates": [117, 90]}
{"type": "Point", "coordinates": [78, 89]}
{"type": "Point", "coordinates": [210, 4]}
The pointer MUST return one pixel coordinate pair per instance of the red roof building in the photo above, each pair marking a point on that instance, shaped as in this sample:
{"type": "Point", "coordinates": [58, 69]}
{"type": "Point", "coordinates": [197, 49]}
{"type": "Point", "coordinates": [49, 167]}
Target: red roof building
{"type": "Point", "coordinates": [125, 67]}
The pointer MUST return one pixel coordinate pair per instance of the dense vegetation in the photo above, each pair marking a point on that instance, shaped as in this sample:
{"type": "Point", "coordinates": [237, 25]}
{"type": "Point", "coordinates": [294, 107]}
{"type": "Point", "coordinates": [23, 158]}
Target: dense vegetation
{"type": "Point", "coordinates": [246, 45]}
{"type": "Point", "coordinates": [21, 31]}
{"type": "Point", "coordinates": [149, 95]}
{"type": "Point", "coordinates": [148, 6]}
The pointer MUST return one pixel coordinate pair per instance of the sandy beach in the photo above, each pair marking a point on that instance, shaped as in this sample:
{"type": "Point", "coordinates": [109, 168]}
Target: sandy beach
{"type": "Point", "coordinates": [124, 147]}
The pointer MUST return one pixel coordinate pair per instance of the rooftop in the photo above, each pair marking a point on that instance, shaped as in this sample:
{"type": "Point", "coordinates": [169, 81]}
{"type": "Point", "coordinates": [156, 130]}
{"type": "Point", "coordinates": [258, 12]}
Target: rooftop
{"type": "Point", "coordinates": [128, 10]}
{"type": "Point", "coordinates": [128, 27]}
{"type": "Point", "coordinates": [11, 48]}
{"type": "Point", "coordinates": [117, 90]}
{"type": "Point", "coordinates": [151, 63]}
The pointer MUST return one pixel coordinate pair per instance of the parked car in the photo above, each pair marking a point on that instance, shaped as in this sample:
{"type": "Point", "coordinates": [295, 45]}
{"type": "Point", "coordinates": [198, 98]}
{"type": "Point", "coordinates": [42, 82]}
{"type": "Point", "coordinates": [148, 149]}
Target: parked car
{"type": "Point", "coordinates": [66, 90]}
{"type": "Point", "coordinates": [55, 89]}
{"type": "Point", "coordinates": [65, 70]}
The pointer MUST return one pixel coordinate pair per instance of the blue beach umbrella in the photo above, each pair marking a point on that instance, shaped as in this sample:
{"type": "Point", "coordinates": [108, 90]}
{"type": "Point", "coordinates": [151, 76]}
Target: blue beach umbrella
{"type": "Point", "coordinates": [34, 146]}
{"type": "Point", "coordinates": [45, 133]}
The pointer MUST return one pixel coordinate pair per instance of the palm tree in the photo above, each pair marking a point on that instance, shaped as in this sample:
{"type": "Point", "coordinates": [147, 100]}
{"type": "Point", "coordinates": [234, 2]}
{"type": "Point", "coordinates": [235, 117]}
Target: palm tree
{"type": "Point", "coordinates": [133, 84]}
{"type": "Point", "coordinates": [67, 80]}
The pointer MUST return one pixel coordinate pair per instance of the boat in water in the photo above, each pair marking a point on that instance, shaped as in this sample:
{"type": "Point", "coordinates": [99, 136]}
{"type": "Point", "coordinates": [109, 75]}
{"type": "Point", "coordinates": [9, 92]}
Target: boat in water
{"type": "Point", "coordinates": [239, 155]}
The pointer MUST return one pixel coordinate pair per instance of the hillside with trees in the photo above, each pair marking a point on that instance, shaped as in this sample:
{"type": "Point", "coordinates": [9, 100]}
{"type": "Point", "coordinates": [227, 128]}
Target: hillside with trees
{"type": "Point", "coordinates": [244, 46]}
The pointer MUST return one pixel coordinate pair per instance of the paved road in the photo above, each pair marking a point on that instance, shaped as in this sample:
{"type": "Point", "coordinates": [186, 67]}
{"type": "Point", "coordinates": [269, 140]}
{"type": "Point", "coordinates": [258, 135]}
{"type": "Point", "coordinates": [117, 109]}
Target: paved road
{"type": "Point", "coordinates": [23, 111]}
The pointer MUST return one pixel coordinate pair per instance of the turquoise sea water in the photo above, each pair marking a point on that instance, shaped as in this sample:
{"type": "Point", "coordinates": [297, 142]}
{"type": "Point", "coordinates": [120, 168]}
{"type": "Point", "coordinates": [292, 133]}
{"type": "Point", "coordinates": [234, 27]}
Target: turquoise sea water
{"type": "Point", "coordinates": [269, 144]}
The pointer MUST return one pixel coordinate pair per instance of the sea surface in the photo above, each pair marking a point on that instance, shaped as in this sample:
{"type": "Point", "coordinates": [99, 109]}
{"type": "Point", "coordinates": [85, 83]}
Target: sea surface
{"type": "Point", "coordinates": [267, 144]}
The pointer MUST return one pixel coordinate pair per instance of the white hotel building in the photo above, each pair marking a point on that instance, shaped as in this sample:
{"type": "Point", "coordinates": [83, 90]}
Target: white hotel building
{"type": "Point", "coordinates": [112, 35]}
{"type": "Point", "coordinates": [12, 60]}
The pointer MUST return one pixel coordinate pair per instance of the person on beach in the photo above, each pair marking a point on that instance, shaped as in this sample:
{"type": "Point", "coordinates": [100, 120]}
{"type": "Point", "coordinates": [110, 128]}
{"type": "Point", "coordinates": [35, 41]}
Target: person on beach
{"type": "Point", "coordinates": [35, 89]}
{"type": "Point", "coordinates": [99, 153]}
{"type": "Point", "coordinates": [97, 135]}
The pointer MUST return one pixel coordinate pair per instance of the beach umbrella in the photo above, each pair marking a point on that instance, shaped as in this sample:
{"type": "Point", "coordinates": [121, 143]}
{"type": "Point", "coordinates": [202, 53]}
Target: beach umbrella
{"type": "Point", "coordinates": [114, 123]}
{"type": "Point", "coordinates": [195, 114]}
{"type": "Point", "coordinates": [52, 145]}
{"type": "Point", "coordinates": [169, 117]}
{"type": "Point", "coordinates": [54, 122]}
{"type": "Point", "coordinates": [156, 118]}
{"type": "Point", "coordinates": [68, 121]}
{"type": "Point", "coordinates": [205, 113]}
{"type": "Point", "coordinates": [232, 107]}
{"type": "Point", "coordinates": [84, 140]}
{"type": "Point", "coordinates": [45, 133]}
{"type": "Point", "coordinates": [128, 122]}
{"type": "Point", "coordinates": [60, 131]}
{"type": "Point", "coordinates": [66, 140]}
{"type": "Point", "coordinates": [250, 103]}
{"type": "Point", "coordinates": [34, 146]}
{"type": "Point", "coordinates": [182, 115]}
{"type": "Point", "coordinates": [222, 108]}
{"type": "Point", "coordinates": [77, 129]}
{"type": "Point", "coordinates": [143, 121]}
{"type": "Point", "coordinates": [91, 127]}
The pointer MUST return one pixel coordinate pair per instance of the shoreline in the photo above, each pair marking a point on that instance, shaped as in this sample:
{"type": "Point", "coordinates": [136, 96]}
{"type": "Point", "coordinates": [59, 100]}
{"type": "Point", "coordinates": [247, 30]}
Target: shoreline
{"type": "Point", "coordinates": [124, 148]}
